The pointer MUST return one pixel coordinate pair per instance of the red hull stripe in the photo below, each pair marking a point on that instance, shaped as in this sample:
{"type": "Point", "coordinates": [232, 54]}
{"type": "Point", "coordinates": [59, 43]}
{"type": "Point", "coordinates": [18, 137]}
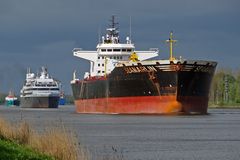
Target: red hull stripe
{"type": "Point", "coordinates": [130, 105]}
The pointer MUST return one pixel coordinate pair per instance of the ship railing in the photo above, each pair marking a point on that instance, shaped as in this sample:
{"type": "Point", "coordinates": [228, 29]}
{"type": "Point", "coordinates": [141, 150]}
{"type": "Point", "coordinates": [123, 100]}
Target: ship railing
{"type": "Point", "coordinates": [154, 49]}
{"type": "Point", "coordinates": [77, 49]}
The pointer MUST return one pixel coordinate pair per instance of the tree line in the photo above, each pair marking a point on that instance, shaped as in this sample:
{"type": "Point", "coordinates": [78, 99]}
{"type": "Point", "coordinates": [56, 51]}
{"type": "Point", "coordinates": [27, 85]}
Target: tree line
{"type": "Point", "coordinates": [225, 88]}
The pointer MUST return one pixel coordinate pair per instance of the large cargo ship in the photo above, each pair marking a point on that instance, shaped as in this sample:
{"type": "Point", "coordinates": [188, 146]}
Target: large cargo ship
{"type": "Point", "coordinates": [123, 80]}
{"type": "Point", "coordinates": [39, 91]}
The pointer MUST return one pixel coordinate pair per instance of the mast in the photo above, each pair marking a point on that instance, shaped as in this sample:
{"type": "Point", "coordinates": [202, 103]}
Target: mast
{"type": "Point", "coordinates": [171, 41]}
{"type": "Point", "coordinates": [112, 32]}
{"type": "Point", "coordinates": [130, 28]}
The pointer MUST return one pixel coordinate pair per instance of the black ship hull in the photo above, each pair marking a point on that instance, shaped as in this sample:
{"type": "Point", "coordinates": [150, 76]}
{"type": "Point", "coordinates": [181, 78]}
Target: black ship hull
{"type": "Point", "coordinates": [155, 88]}
{"type": "Point", "coordinates": [39, 102]}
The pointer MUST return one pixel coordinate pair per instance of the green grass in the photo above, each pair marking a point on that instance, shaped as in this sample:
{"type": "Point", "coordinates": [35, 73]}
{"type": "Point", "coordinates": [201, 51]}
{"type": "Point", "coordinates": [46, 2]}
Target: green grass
{"type": "Point", "coordinates": [13, 151]}
{"type": "Point", "coordinates": [224, 105]}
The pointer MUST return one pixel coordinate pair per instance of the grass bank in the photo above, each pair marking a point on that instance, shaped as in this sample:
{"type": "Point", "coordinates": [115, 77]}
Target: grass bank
{"type": "Point", "coordinates": [54, 142]}
{"type": "Point", "coordinates": [12, 151]}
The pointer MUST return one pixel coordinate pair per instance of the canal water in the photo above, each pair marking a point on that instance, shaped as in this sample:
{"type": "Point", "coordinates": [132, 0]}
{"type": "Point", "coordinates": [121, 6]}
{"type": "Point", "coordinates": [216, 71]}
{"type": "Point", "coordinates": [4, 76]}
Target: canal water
{"type": "Point", "coordinates": [143, 137]}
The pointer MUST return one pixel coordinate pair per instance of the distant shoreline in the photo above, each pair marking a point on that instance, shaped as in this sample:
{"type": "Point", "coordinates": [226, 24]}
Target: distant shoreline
{"type": "Point", "coordinates": [224, 107]}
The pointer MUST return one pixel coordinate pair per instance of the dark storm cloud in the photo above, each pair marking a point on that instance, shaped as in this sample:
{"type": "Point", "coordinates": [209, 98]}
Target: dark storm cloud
{"type": "Point", "coordinates": [35, 33]}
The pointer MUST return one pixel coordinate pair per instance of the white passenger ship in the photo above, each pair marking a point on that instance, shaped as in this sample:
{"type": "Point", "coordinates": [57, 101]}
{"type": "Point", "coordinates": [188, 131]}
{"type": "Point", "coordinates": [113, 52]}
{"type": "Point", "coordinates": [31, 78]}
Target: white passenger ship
{"type": "Point", "coordinates": [39, 91]}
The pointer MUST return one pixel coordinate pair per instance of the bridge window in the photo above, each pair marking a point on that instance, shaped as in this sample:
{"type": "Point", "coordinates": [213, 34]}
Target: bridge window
{"type": "Point", "coordinates": [124, 50]}
{"type": "Point", "coordinates": [109, 50]}
{"type": "Point", "coordinates": [103, 50]}
{"type": "Point", "coordinates": [116, 50]}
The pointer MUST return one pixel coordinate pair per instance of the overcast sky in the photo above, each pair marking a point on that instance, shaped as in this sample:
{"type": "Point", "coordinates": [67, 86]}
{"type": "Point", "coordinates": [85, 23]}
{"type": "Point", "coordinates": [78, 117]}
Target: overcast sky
{"type": "Point", "coordinates": [35, 33]}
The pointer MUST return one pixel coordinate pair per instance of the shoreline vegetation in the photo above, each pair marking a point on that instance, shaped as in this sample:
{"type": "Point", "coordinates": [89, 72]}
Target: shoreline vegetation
{"type": "Point", "coordinates": [20, 141]}
{"type": "Point", "coordinates": [225, 89]}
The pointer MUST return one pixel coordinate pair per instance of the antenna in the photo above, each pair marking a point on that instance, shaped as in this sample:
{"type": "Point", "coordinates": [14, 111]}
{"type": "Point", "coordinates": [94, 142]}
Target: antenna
{"type": "Point", "coordinates": [74, 75]}
{"type": "Point", "coordinates": [130, 28]}
{"type": "Point", "coordinates": [28, 70]}
{"type": "Point", "coordinates": [99, 34]}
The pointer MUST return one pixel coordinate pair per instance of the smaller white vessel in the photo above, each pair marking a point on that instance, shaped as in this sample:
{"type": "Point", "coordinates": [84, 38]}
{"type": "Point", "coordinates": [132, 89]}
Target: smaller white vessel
{"type": "Point", "coordinates": [39, 91]}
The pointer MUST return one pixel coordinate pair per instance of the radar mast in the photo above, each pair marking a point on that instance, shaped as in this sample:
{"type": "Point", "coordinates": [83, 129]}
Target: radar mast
{"type": "Point", "coordinates": [171, 41]}
{"type": "Point", "coordinates": [112, 32]}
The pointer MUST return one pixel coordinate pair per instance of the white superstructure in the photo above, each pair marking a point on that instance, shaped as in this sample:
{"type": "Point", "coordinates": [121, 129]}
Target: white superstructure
{"type": "Point", "coordinates": [110, 52]}
{"type": "Point", "coordinates": [40, 86]}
